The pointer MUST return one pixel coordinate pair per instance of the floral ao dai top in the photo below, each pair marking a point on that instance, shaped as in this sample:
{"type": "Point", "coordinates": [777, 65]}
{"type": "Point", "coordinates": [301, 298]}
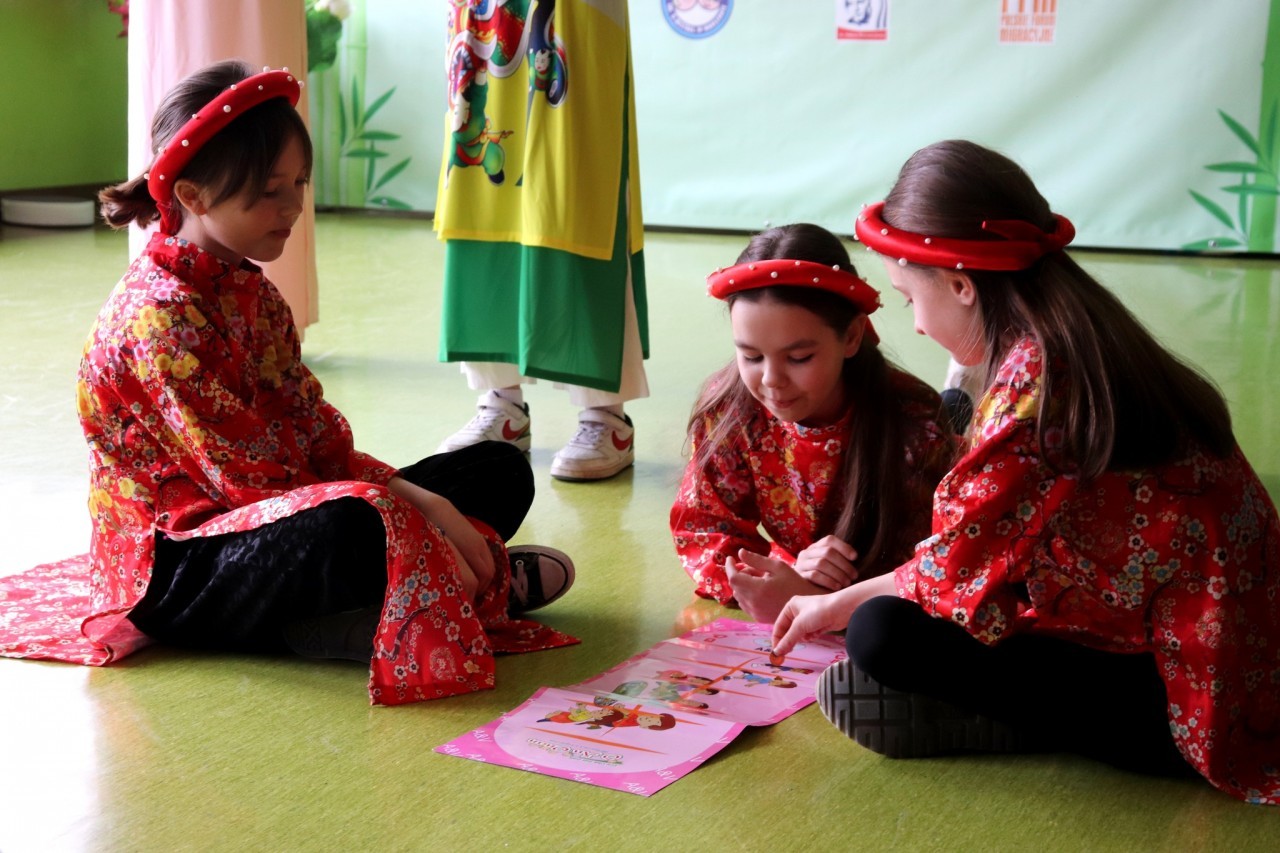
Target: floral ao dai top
{"type": "Point", "coordinates": [202, 419]}
{"type": "Point", "coordinates": [1182, 561]}
{"type": "Point", "coordinates": [775, 479]}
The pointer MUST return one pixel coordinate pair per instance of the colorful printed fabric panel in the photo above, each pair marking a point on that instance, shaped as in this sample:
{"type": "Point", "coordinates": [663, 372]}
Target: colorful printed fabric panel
{"type": "Point", "coordinates": [539, 102]}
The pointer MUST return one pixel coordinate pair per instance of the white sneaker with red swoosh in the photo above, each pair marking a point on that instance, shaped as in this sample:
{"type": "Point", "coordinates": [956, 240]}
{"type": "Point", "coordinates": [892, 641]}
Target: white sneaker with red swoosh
{"type": "Point", "coordinates": [603, 445]}
{"type": "Point", "coordinates": [496, 419]}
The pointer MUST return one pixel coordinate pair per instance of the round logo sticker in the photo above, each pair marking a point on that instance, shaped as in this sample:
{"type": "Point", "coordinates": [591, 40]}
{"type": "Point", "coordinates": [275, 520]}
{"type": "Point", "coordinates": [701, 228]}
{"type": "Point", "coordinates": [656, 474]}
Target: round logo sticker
{"type": "Point", "coordinates": [696, 19]}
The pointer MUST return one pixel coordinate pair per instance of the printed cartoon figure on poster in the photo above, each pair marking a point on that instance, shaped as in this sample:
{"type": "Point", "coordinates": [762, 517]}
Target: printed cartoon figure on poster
{"type": "Point", "coordinates": [596, 716]}
{"type": "Point", "coordinates": [544, 273]}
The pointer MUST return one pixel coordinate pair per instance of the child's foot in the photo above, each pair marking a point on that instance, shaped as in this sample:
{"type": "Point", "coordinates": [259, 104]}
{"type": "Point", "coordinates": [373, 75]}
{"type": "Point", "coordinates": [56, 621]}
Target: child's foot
{"type": "Point", "coordinates": [905, 725]}
{"type": "Point", "coordinates": [346, 636]}
{"type": "Point", "coordinates": [603, 445]}
{"type": "Point", "coordinates": [539, 575]}
{"type": "Point", "coordinates": [496, 419]}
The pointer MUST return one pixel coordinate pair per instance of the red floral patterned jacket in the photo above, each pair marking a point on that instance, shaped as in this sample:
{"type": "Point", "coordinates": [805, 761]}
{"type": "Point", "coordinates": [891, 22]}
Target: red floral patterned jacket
{"type": "Point", "coordinates": [1182, 561]}
{"type": "Point", "coordinates": [778, 475]}
{"type": "Point", "coordinates": [202, 419]}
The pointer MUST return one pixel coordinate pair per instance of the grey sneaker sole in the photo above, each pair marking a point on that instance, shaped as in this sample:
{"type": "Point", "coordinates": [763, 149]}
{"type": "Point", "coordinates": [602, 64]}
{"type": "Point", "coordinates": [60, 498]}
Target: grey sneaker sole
{"type": "Point", "coordinates": [905, 725]}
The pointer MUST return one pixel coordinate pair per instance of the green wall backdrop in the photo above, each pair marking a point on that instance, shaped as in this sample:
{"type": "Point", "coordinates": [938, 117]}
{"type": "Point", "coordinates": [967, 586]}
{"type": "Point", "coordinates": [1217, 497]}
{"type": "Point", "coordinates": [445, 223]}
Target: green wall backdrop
{"type": "Point", "coordinates": [1151, 123]}
{"type": "Point", "coordinates": [63, 91]}
{"type": "Point", "coordinates": [774, 119]}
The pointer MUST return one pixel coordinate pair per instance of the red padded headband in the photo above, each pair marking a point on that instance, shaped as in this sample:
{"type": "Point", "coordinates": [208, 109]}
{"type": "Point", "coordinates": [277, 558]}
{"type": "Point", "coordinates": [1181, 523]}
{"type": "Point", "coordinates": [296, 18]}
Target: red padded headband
{"type": "Point", "coordinates": [231, 103]}
{"type": "Point", "coordinates": [784, 272]}
{"type": "Point", "coordinates": [1022, 246]}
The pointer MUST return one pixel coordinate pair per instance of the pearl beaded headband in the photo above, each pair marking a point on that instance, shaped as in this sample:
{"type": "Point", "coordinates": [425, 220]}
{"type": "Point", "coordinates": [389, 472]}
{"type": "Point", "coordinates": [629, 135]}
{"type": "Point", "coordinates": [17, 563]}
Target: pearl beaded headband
{"type": "Point", "coordinates": [1022, 246]}
{"type": "Point", "coordinates": [787, 272]}
{"type": "Point", "coordinates": [231, 103]}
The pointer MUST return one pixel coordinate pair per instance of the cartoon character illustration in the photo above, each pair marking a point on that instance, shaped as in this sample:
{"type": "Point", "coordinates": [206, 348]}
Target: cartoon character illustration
{"type": "Point", "coordinates": [612, 716]}
{"type": "Point", "coordinates": [777, 667]}
{"type": "Point", "coordinates": [677, 677]}
{"type": "Point", "coordinates": [751, 679]}
{"type": "Point", "coordinates": [666, 691]}
{"type": "Point", "coordinates": [493, 37]}
{"type": "Point", "coordinates": [580, 713]}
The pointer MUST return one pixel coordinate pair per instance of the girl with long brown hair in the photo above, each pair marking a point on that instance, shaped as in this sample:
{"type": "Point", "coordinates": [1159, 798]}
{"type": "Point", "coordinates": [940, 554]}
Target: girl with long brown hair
{"type": "Point", "coordinates": [1103, 571]}
{"type": "Point", "coordinates": [813, 458]}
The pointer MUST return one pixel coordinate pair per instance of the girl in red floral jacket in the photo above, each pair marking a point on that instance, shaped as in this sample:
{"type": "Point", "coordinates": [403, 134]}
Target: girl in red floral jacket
{"type": "Point", "coordinates": [1104, 571]}
{"type": "Point", "coordinates": [230, 507]}
{"type": "Point", "coordinates": [810, 435]}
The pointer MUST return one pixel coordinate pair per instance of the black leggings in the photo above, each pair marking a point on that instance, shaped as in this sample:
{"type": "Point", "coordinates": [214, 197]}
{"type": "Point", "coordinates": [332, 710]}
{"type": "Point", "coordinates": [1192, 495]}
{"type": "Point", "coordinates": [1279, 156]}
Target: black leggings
{"type": "Point", "coordinates": [237, 590]}
{"type": "Point", "coordinates": [1061, 696]}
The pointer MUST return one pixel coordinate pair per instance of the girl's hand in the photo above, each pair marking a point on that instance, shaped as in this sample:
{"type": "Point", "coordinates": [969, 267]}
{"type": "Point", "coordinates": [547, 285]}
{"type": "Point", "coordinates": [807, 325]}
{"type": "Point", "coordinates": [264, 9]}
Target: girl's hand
{"type": "Point", "coordinates": [474, 557]}
{"type": "Point", "coordinates": [762, 585]}
{"type": "Point", "coordinates": [805, 616]}
{"type": "Point", "coordinates": [828, 563]}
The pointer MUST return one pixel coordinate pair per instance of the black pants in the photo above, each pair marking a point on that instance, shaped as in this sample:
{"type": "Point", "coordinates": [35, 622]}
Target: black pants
{"type": "Point", "coordinates": [237, 590]}
{"type": "Point", "coordinates": [1060, 695]}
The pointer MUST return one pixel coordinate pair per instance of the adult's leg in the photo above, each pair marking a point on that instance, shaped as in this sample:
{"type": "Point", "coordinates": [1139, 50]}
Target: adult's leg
{"type": "Point", "coordinates": [239, 590]}
{"type": "Point", "coordinates": [1057, 694]}
{"type": "Point", "coordinates": [490, 481]}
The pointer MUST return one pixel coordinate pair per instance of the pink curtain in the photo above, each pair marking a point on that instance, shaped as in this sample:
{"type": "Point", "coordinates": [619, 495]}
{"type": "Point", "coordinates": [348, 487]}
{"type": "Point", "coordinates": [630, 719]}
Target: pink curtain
{"type": "Point", "coordinates": [169, 39]}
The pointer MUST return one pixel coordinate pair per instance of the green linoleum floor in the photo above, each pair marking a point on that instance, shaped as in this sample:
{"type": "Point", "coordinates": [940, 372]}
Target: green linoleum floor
{"type": "Point", "coordinates": [175, 750]}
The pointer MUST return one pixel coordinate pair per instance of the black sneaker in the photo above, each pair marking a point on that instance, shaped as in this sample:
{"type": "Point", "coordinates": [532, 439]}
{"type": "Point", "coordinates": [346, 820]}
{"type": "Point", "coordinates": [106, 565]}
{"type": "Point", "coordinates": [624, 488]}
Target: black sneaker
{"type": "Point", "coordinates": [539, 575]}
{"type": "Point", "coordinates": [905, 725]}
{"type": "Point", "coordinates": [345, 636]}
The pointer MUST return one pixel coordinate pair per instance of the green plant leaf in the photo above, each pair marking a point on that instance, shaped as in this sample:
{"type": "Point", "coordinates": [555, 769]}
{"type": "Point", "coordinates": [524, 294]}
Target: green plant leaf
{"type": "Point", "coordinates": [1238, 166]}
{"type": "Point", "coordinates": [387, 201]}
{"type": "Point", "coordinates": [1240, 131]}
{"type": "Point", "coordinates": [377, 105]}
{"type": "Point", "coordinates": [357, 120]}
{"type": "Point", "coordinates": [365, 153]}
{"type": "Point", "coordinates": [1211, 244]}
{"type": "Point", "coordinates": [1268, 140]}
{"type": "Point", "coordinates": [342, 123]}
{"type": "Point", "coordinates": [1213, 208]}
{"type": "Point", "coordinates": [1251, 189]}
{"type": "Point", "coordinates": [377, 135]}
{"type": "Point", "coordinates": [392, 172]}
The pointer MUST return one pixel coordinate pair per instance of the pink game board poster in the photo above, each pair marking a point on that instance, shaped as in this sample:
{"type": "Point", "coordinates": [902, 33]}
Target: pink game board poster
{"type": "Point", "coordinates": [657, 716]}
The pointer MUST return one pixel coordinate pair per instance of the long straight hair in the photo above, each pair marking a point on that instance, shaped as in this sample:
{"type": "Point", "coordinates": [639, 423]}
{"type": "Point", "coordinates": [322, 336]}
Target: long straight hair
{"type": "Point", "coordinates": [1119, 399]}
{"type": "Point", "coordinates": [867, 503]}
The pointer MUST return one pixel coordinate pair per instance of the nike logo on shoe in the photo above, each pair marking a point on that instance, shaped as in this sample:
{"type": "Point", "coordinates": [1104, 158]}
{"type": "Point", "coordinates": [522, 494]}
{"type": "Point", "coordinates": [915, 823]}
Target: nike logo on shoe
{"type": "Point", "coordinates": [509, 434]}
{"type": "Point", "coordinates": [621, 445]}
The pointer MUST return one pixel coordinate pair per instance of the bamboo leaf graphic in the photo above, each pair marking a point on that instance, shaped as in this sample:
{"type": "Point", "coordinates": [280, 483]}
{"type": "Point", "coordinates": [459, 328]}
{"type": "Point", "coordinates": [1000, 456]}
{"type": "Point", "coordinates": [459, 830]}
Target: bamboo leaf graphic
{"type": "Point", "coordinates": [1268, 140]}
{"type": "Point", "coordinates": [366, 153]}
{"type": "Point", "coordinates": [1240, 131]}
{"type": "Point", "coordinates": [342, 124]}
{"type": "Point", "coordinates": [377, 105]}
{"type": "Point", "coordinates": [357, 120]}
{"type": "Point", "coordinates": [377, 135]}
{"type": "Point", "coordinates": [1240, 167]}
{"type": "Point", "coordinates": [1213, 208]}
{"type": "Point", "coordinates": [392, 172]}
{"type": "Point", "coordinates": [1251, 189]}
{"type": "Point", "coordinates": [1213, 243]}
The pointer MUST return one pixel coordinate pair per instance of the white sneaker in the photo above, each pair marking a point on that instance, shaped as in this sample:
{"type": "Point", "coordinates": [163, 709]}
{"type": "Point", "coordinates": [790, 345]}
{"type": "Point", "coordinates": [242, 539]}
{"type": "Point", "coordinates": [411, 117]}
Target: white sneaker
{"type": "Point", "coordinates": [497, 419]}
{"type": "Point", "coordinates": [603, 445]}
